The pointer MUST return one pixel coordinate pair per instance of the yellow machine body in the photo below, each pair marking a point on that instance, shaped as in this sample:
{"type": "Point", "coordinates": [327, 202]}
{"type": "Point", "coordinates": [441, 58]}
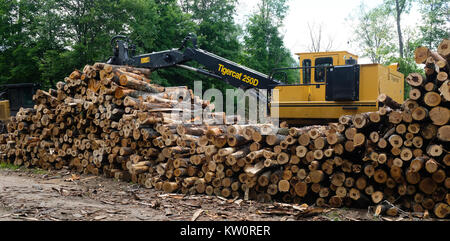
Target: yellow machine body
{"type": "Point", "coordinates": [5, 112]}
{"type": "Point", "coordinates": [299, 103]}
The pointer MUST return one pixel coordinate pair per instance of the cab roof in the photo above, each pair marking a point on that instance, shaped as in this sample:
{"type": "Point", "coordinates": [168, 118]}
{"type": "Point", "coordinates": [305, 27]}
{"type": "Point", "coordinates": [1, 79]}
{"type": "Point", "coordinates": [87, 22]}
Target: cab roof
{"type": "Point", "coordinates": [326, 53]}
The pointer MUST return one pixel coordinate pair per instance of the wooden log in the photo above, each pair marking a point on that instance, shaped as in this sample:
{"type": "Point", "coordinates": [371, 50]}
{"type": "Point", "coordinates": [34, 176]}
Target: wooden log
{"type": "Point", "coordinates": [430, 69]}
{"type": "Point", "coordinates": [395, 141]}
{"type": "Point", "coordinates": [395, 117]}
{"type": "Point", "coordinates": [388, 101]}
{"type": "Point", "coordinates": [439, 176]}
{"type": "Point", "coordinates": [110, 68]}
{"type": "Point", "coordinates": [255, 169]}
{"type": "Point", "coordinates": [427, 185]}
{"type": "Point", "coordinates": [264, 179]}
{"type": "Point", "coordinates": [441, 210]}
{"type": "Point", "coordinates": [133, 83]}
{"type": "Point", "coordinates": [304, 139]}
{"type": "Point", "coordinates": [406, 154]}
{"type": "Point", "coordinates": [361, 183]}
{"type": "Point", "coordinates": [374, 117]}
{"type": "Point", "coordinates": [283, 186]}
{"type": "Point", "coordinates": [219, 141]}
{"type": "Point", "coordinates": [319, 143]}
{"type": "Point", "coordinates": [443, 133]}
{"type": "Point", "coordinates": [354, 194]}
{"type": "Point", "coordinates": [236, 140]}
{"type": "Point", "coordinates": [274, 139]}
{"type": "Point", "coordinates": [432, 99]}
{"type": "Point", "coordinates": [360, 120]}
{"type": "Point", "coordinates": [444, 48]}
{"type": "Point", "coordinates": [377, 197]}
{"type": "Point", "coordinates": [434, 150]}
{"type": "Point", "coordinates": [170, 187]}
{"type": "Point", "coordinates": [359, 139]}
{"type": "Point", "coordinates": [439, 115]}
{"type": "Point", "coordinates": [422, 53]}
{"type": "Point", "coordinates": [444, 90]}
{"type": "Point", "coordinates": [442, 77]}
{"type": "Point", "coordinates": [415, 79]}
{"type": "Point", "coordinates": [428, 131]}
{"type": "Point", "coordinates": [338, 179]}
{"type": "Point", "coordinates": [410, 104]}
{"type": "Point", "coordinates": [382, 143]}
{"type": "Point", "coordinates": [380, 176]}
{"type": "Point", "coordinates": [419, 113]}
{"type": "Point", "coordinates": [315, 132]}
{"type": "Point", "coordinates": [226, 151]}
{"type": "Point", "coordinates": [301, 189]}
{"type": "Point", "coordinates": [345, 119]}
{"type": "Point", "coordinates": [282, 158]}
{"type": "Point", "coordinates": [430, 86]}
{"type": "Point", "coordinates": [431, 165]}
{"type": "Point", "coordinates": [417, 164]}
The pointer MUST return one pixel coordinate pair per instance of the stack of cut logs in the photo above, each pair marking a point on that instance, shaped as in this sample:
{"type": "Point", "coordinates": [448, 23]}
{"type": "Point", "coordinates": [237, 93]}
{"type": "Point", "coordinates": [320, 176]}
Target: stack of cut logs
{"type": "Point", "coordinates": [111, 120]}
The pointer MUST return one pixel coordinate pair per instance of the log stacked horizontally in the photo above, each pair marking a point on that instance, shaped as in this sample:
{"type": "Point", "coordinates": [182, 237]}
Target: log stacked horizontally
{"type": "Point", "coordinates": [112, 120]}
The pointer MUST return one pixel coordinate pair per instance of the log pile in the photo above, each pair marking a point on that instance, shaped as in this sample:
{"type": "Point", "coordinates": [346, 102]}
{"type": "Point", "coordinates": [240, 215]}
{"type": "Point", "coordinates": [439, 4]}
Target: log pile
{"type": "Point", "coordinates": [111, 120]}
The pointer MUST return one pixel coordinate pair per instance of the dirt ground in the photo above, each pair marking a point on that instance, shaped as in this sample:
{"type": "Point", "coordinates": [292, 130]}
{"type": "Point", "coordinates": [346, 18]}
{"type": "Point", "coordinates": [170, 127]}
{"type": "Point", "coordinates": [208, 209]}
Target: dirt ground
{"type": "Point", "coordinates": [61, 195]}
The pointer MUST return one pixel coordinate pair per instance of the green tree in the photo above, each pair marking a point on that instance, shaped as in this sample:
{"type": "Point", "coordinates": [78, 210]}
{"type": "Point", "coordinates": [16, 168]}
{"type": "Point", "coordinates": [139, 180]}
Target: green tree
{"type": "Point", "coordinates": [407, 64]}
{"type": "Point", "coordinates": [171, 26]}
{"type": "Point", "coordinates": [373, 34]}
{"type": "Point", "coordinates": [397, 8]}
{"type": "Point", "coordinates": [263, 43]}
{"type": "Point", "coordinates": [217, 32]}
{"type": "Point", "coordinates": [91, 23]}
{"type": "Point", "coordinates": [44, 40]}
{"type": "Point", "coordinates": [18, 51]}
{"type": "Point", "coordinates": [435, 18]}
{"type": "Point", "coordinates": [51, 41]}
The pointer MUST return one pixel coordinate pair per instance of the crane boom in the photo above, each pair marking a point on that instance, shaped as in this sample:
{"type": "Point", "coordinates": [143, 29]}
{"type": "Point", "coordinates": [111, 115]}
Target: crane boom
{"type": "Point", "coordinates": [220, 68]}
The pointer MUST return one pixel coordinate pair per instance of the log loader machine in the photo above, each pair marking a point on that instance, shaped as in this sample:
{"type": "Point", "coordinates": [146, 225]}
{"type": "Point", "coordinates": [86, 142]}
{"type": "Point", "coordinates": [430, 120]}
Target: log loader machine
{"type": "Point", "coordinates": [331, 84]}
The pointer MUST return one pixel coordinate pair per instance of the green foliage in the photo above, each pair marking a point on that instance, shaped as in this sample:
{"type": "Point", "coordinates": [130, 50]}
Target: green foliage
{"type": "Point", "coordinates": [263, 44]}
{"type": "Point", "coordinates": [396, 8]}
{"type": "Point", "coordinates": [166, 31]}
{"type": "Point", "coordinates": [44, 40]}
{"type": "Point", "coordinates": [39, 171]}
{"type": "Point", "coordinates": [4, 165]}
{"type": "Point", "coordinates": [18, 52]}
{"type": "Point", "coordinates": [216, 31]}
{"type": "Point", "coordinates": [404, 6]}
{"type": "Point", "coordinates": [407, 64]}
{"type": "Point", "coordinates": [373, 34]}
{"type": "Point", "coordinates": [435, 19]}
{"type": "Point", "coordinates": [12, 167]}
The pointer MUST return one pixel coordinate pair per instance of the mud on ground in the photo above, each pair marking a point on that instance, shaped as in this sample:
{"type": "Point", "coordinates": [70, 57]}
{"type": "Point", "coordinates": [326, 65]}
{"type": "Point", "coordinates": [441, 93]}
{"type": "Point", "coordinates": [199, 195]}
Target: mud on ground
{"type": "Point", "coordinates": [31, 194]}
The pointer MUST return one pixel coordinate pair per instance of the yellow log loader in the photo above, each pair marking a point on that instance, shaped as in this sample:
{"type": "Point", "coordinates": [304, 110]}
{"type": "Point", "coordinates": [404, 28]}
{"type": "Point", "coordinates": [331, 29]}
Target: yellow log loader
{"type": "Point", "coordinates": [331, 84]}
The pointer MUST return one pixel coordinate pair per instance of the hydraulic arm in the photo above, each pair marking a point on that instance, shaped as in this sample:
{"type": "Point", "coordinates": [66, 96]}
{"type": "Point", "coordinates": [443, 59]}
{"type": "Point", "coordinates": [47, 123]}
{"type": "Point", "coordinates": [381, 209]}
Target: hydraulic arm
{"type": "Point", "coordinates": [234, 74]}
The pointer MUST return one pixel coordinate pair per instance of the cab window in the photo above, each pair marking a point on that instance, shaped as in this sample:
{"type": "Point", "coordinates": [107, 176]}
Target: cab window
{"type": "Point", "coordinates": [28, 97]}
{"type": "Point", "coordinates": [320, 70]}
{"type": "Point", "coordinates": [306, 71]}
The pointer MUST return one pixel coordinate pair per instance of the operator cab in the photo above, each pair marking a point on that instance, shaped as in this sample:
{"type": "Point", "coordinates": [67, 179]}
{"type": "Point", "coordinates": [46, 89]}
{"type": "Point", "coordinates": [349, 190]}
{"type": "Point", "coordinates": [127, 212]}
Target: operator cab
{"type": "Point", "coordinates": [335, 75]}
{"type": "Point", "coordinates": [314, 65]}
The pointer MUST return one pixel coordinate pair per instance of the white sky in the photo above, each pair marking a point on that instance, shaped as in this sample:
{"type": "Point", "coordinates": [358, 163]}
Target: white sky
{"type": "Point", "coordinates": [331, 13]}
